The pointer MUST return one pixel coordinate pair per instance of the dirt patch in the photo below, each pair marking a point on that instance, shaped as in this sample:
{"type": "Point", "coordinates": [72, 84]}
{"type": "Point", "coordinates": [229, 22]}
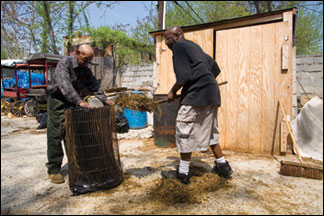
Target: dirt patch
{"type": "Point", "coordinates": [256, 186]}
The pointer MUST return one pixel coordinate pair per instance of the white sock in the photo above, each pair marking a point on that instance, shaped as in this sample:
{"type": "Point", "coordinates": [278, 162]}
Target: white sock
{"type": "Point", "coordinates": [184, 167]}
{"type": "Point", "coordinates": [220, 160]}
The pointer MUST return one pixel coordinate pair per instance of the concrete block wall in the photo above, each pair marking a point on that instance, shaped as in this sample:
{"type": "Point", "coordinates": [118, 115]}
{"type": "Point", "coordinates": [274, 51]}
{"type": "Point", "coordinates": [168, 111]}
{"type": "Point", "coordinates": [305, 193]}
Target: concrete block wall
{"type": "Point", "coordinates": [309, 72]}
{"type": "Point", "coordinates": [309, 77]}
{"type": "Point", "coordinates": [137, 76]}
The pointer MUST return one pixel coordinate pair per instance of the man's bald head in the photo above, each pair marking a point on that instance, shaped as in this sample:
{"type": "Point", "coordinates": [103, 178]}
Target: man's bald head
{"type": "Point", "coordinates": [175, 30]}
{"type": "Point", "coordinates": [172, 35]}
{"type": "Point", "coordinates": [85, 54]}
{"type": "Point", "coordinates": [86, 49]}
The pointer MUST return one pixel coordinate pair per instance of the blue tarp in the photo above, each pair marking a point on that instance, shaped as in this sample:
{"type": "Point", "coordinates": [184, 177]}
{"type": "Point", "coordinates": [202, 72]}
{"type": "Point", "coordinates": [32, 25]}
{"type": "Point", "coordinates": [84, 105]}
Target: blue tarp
{"type": "Point", "coordinates": [23, 80]}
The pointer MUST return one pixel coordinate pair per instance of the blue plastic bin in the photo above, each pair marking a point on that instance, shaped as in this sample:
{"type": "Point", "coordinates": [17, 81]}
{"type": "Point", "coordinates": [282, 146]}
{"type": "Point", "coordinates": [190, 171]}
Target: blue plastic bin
{"type": "Point", "coordinates": [136, 119]}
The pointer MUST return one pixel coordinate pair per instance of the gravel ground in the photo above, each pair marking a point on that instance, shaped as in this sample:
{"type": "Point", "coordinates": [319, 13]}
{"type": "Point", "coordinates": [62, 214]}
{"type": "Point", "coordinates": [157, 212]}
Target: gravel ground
{"type": "Point", "coordinates": [255, 188]}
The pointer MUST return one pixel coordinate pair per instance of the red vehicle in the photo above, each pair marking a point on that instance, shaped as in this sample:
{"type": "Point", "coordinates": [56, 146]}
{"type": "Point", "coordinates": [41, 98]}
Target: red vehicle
{"type": "Point", "coordinates": [30, 99]}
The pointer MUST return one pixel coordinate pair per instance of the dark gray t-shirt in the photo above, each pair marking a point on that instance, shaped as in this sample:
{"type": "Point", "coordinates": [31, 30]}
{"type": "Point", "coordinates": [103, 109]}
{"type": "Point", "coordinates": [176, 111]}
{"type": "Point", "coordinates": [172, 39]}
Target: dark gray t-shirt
{"type": "Point", "coordinates": [196, 71]}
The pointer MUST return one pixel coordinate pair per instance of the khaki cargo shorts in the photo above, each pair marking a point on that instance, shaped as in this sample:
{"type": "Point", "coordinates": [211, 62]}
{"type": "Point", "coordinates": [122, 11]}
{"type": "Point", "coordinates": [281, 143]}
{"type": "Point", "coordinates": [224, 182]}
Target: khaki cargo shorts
{"type": "Point", "coordinates": [196, 128]}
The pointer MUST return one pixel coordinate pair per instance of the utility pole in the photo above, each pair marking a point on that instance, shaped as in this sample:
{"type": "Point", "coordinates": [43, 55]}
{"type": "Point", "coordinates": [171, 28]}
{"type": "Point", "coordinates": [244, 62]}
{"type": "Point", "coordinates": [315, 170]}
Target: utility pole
{"type": "Point", "coordinates": [164, 10]}
{"type": "Point", "coordinates": [160, 15]}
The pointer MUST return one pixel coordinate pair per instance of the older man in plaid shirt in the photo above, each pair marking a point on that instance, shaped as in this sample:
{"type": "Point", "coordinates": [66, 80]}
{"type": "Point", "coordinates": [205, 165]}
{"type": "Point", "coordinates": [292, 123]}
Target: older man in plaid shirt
{"type": "Point", "coordinates": [71, 80]}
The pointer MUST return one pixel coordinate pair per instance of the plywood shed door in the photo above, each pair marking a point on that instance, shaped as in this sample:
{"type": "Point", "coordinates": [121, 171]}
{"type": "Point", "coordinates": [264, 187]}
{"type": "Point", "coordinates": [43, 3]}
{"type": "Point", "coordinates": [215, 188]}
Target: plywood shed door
{"type": "Point", "coordinates": [250, 60]}
{"type": "Point", "coordinates": [165, 73]}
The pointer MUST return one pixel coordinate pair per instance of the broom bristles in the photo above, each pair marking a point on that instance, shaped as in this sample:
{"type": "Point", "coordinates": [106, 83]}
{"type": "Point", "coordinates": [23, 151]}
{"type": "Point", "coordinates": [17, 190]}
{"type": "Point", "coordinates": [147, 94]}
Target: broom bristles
{"type": "Point", "coordinates": [301, 170]}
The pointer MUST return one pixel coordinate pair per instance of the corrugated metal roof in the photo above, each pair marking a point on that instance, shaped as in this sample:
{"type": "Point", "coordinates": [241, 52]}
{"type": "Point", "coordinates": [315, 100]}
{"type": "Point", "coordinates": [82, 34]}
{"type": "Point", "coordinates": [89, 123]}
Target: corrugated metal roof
{"type": "Point", "coordinates": [47, 56]}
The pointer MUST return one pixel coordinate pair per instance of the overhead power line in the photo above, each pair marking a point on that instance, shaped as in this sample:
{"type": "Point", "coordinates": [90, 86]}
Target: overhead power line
{"type": "Point", "coordinates": [179, 5]}
{"type": "Point", "coordinates": [311, 9]}
{"type": "Point", "coordinates": [194, 11]}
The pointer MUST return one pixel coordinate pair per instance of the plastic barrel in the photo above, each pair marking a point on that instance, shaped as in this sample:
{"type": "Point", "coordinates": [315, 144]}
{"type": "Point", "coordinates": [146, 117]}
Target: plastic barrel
{"type": "Point", "coordinates": [136, 119]}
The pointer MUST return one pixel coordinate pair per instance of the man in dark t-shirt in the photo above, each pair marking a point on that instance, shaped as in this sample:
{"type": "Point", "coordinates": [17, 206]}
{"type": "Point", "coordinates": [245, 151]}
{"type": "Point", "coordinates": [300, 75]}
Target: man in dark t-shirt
{"type": "Point", "coordinates": [196, 123]}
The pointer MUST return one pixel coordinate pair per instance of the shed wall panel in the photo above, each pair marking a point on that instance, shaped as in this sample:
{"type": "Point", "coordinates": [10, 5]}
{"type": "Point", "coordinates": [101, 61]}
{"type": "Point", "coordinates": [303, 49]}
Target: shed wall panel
{"type": "Point", "coordinates": [165, 73]}
{"type": "Point", "coordinates": [222, 62]}
{"type": "Point", "coordinates": [268, 91]}
{"type": "Point", "coordinates": [255, 91]}
{"type": "Point", "coordinates": [250, 60]}
{"type": "Point", "coordinates": [279, 85]}
{"type": "Point", "coordinates": [243, 75]}
{"type": "Point", "coordinates": [255, 83]}
{"type": "Point", "coordinates": [231, 97]}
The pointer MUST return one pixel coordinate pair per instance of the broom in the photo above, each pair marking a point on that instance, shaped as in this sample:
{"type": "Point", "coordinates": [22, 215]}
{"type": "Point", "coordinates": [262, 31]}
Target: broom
{"type": "Point", "coordinates": [298, 169]}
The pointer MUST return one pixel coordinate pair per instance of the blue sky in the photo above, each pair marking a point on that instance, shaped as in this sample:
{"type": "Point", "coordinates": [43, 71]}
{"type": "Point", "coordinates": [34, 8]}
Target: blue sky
{"type": "Point", "coordinates": [125, 12]}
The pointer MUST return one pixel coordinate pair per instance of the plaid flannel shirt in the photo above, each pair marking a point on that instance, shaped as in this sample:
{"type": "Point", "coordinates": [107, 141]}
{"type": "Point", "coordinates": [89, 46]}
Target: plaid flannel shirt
{"type": "Point", "coordinates": [74, 82]}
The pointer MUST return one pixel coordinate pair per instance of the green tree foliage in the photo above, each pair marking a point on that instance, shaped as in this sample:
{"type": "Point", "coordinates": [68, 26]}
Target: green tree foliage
{"type": "Point", "coordinates": [25, 27]}
{"type": "Point", "coordinates": [3, 54]}
{"type": "Point", "coordinates": [213, 11]}
{"type": "Point", "coordinates": [125, 50]}
{"type": "Point", "coordinates": [33, 26]}
{"type": "Point", "coordinates": [44, 35]}
{"type": "Point", "coordinates": [140, 31]}
{"type": "Point", "coordinates": [309, 28]}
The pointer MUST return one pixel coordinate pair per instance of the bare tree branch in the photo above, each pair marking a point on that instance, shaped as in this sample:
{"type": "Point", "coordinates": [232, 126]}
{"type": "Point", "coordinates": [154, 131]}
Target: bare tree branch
{"type": "Point", "coordinates": [50, 28]}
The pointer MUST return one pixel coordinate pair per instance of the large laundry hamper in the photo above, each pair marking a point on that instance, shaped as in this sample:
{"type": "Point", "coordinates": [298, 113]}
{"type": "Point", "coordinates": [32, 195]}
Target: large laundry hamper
{"type": "Point", "coordinates": [92, 149]}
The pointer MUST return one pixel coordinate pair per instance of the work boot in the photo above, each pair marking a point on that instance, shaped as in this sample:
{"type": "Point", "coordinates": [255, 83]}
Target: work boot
{"type": "Point", "coordinates": [183, 178]}
{"type": "Point", "coordinates": [223, 169]}
{"type": "Point", "coordinates": [56, 178]}
{"type": "Point", "coordinates": [174, 174]}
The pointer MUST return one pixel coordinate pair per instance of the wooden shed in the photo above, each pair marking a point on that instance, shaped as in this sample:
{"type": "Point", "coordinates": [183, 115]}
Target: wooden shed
{"type": "Point", "coordinates": [255, 54]}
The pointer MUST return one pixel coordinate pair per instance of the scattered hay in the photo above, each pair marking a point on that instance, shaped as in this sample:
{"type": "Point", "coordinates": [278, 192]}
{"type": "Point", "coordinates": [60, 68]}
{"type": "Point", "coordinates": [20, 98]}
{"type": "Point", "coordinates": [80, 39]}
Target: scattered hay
{"type": "Point", "coordinates": [171, 191]}
{"type": "Point", "coordinates": [138, 102]}
{"type": "Point", "coordinates": [117, 89]}
{"type": "Point", "coordinates": [135, 102]}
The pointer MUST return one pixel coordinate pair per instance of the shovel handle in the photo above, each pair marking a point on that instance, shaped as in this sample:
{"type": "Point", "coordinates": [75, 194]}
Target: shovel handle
{"type": "Point", "coordinates": [222, 83]}
{"type": "Point", "coordinates": [165, 99]}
